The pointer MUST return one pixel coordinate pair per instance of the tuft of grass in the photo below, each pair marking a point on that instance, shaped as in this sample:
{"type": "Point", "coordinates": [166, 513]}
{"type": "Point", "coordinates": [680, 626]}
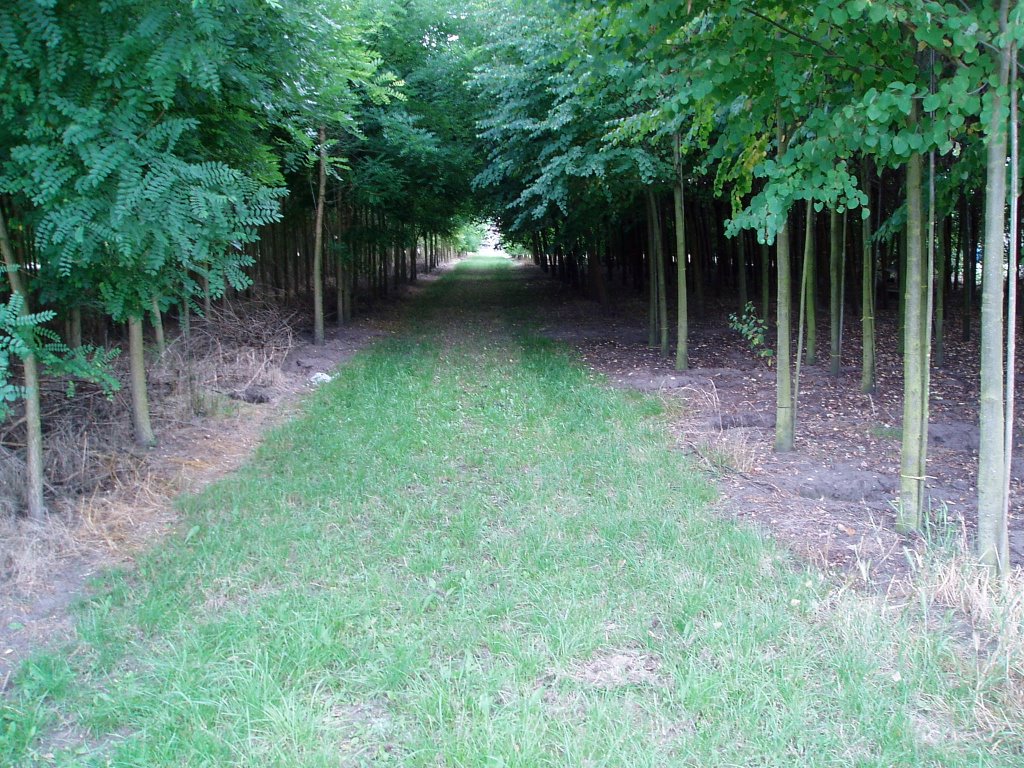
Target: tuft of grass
{"type": "Point", "coordinates": [469, 553]}
{"type": "Point", "coordinates": [886, 431]}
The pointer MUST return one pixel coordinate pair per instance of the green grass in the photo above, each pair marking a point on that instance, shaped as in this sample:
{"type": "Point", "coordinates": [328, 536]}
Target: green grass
{"type": "Point", "coordinates": [468, 552]}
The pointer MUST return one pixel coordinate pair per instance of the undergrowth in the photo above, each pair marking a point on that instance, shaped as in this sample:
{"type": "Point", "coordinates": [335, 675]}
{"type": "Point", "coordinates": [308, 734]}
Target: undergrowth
{"type": "Point", "coordinates": [89, 453]}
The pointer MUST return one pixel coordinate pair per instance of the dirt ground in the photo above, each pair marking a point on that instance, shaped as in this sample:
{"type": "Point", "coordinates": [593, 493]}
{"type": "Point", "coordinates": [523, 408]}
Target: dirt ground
{"type": "Point", "coordinates": [830, 501]}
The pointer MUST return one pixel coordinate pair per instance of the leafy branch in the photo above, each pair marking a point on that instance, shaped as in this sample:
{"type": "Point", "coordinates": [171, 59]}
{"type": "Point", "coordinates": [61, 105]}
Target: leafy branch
{"type": "Point", "coordinates": [754, 330]}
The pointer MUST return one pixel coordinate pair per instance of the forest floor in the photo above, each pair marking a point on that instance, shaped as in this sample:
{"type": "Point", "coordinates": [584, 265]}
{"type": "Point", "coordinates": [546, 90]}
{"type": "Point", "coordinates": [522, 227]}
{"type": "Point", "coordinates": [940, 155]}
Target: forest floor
{"type": "Point", "coordinates": [466, 549]}
{"type": "Point", "coordinates": [832, 500]}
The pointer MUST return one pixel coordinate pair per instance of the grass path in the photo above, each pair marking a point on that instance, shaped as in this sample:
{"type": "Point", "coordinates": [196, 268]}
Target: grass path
{"type": "Point", "coordinates": [470, 553]}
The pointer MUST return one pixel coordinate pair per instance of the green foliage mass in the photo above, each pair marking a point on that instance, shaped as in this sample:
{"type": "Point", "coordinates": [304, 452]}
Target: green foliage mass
{"type": "Point", "coordinates": [586, 98]}
{"type": "Point", "coordinates": [143, 143]}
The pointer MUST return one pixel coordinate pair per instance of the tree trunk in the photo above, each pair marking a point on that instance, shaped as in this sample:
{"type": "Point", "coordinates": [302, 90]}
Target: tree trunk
{"type": "Point", "coordinates": [185, 319]}
{"type": "Point", "coordinates": [659, 256]}
{"type": "Point", "coordinates": [993, 542]}
{"type": "Point", "coordinates": [913, 454]}
{"type": "Point", "coordinates": [1011, 304]}
{"type": "Point", "coordinates": [970, 268]}
{"type": "Point", "coordinates": [595, 273]}
{"type": "Point", "coordinates": [836, 270]}
{"type": "Point", "coordinates": [318, 243]}
{"type": "Point", "coordinates": [140, 400]}
{"type": "Point", "coordinates": [34, 479]}
{"type": "Point", "coordinates": [941, 278]}
{"type": "Point", "coordinates": [75, 337]}
{"type": "Point", "coordinates": [652, 272]}
{"type": "Point", "coordinates": [682, 320]}
{"type": "Point", "coordinates": [158, 327]}
{"type": "Point", "coordinates": [809, 285]}
{"type": "Point", "coordinates": [867, 302]}
{"type": "Point", "coordinates": [766, 280]}
{"type": "Point", "coordinates": [741, 263]}
{"type": "Point", "coordinates": [784, 426]}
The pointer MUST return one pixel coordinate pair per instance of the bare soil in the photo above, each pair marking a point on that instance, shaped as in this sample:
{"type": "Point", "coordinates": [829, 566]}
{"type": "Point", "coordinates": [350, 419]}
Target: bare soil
{"type": "Point", "coordinates": [832, 500]}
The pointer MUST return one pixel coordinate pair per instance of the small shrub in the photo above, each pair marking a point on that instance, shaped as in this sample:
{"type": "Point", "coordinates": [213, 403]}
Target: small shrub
{"type": "Point", "coordinates": [754, 330]}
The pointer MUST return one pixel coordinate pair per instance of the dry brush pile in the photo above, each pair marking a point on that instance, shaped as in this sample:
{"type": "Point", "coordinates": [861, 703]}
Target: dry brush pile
{"type": "Point", "coordinates": [92, 465]}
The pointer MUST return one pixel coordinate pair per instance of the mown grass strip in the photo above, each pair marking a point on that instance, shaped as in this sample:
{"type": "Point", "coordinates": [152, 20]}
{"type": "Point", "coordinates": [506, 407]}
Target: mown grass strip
{"type": "Point", "coordinates": [468, 552]}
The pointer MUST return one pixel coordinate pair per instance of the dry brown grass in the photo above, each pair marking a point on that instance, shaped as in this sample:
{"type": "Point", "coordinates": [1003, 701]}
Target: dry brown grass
{"type": "Point", "coordinates": [105, 495]}
{"type": "Point", "coordinates": [29, 551]}
{"type": "Point", "coordinates": [12, 470]}
{"type": "Point", "coordinates": [735, 449]}
{"type": "Point", "coordinates": [990, 611]}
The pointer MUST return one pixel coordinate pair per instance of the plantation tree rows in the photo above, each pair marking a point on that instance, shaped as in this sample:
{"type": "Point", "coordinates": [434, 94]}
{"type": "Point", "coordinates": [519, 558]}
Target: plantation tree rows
{"type": "Point", "coordinates": [156, 156]}
{"type": "Point", "coordinates": [812, 163]}
{"type": "Point", "coordinates": [777, 152]}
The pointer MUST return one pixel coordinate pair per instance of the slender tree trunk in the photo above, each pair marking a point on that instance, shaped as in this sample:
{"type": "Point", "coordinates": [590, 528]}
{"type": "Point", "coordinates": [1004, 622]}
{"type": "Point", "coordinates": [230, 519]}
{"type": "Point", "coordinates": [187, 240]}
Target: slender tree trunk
{"type": "Point", "coordinates": [1011, 305]}
{"type": "Point", "coordinates": [913, 459]}
{"type": "Point", "coordinates": [867, 304]}
{"type": "Point", "coordinates": [34, 479]}
{"type": "Point", "coordinates": [185, 319]}
{"type": "Point", "coordinates": [158, 327]}
{"type": "Point", "coordinates": [941, 278]}
{"type": "Point", "coordinates": [75, 339]}
{"type": "Point", "coordinates": [805, 291]}
{"type": "Point", "coordinates": [784, 424]}
{"type": "Point", "coordinates": [809, 286]}
{"type": "Point", "coordinates": [318, 243]}
{"type": "Point", "coordinates": [682, 320]}
{"type": "Point", "coordinates": [970, 269]}
{"type": "Point", "coordinates": [659, 256]}
{"type": "Point", "coordinates": [140, 398]}
{"type": "Point", "coordinates": [836, 269]}
{"type": "Point", "coordinates": [652, 271]}
{"type": "Point", "coordinates": [993, 542]}
{"type": "Point", "coordinates": [766, 280]}
{"type": "Point", "coordinates": [741, 263]}
{"type": "Point", "coordinates": [339, 294]}
{"type": "Point", "coordinates": [595, 272]}
{"type": "Point", "coordinates": [699, 250]}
